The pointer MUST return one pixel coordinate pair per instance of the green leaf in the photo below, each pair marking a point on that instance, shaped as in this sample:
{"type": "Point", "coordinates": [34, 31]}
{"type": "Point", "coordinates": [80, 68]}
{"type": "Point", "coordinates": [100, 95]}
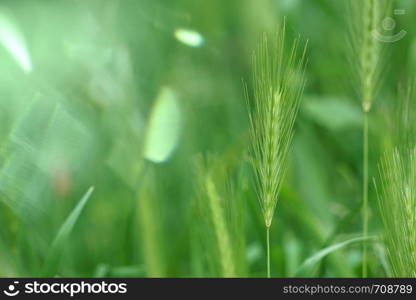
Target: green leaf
{"type": "Point", "coordinates": [328, 250]}
{"type": "Point", "coordinates": [333, 113]}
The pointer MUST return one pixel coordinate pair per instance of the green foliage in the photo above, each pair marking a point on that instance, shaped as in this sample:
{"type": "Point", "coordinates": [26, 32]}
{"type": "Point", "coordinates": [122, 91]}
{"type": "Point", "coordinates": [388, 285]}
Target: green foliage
{"type": "Point", "coordinates": [122, 95]}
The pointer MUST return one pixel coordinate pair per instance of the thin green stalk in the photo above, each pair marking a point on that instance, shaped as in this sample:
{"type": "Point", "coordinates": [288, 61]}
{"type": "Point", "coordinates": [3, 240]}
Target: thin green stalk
{"type": "Point", "coordinates": [365, 191]}
{"type": "Point", "coordinates": [366, 15]}
{"type": "Point", "coordinates": [268, 251]}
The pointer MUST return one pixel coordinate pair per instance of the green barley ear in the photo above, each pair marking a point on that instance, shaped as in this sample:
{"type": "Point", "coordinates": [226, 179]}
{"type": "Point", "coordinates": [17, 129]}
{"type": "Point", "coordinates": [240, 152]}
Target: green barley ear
{"type": "Point", "coordinates": [396, 190]}
{"type": "Point", "coordinates": [370, 53]}
{"type": "Point", "coordinates": [278, 83]}
{"type": "Point", "coordinates": [397, 197]}
{"type": "Point", "coordinates": [365, 41]}
{"type": "Point", "coordinates": [213, 199]}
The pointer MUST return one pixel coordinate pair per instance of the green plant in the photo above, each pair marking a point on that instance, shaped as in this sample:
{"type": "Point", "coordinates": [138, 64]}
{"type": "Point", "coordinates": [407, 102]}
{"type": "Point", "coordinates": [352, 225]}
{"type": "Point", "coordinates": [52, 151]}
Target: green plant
{"type": "Point", "coordinates": [220, 208]}
{"type": "Point", "coordinates": [365, 16]}
{"type": "Point", "coordinates": [397, 196]}
{"type": "Point", "coordinates": [278, 83]}
{"type": "Point", "coordinates": [396, 191]}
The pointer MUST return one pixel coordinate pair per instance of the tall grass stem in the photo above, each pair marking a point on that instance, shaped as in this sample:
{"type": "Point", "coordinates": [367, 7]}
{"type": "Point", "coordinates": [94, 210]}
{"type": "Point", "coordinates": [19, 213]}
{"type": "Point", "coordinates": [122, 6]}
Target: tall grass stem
{"type": "Point", "coordinates": [268, 251]}
{"type": "Point", "coordinates": [365, 192]}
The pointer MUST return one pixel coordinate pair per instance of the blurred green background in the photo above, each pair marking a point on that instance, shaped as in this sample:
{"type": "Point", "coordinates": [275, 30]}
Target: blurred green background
{"type": "Point", "coordinates": [140, 99]}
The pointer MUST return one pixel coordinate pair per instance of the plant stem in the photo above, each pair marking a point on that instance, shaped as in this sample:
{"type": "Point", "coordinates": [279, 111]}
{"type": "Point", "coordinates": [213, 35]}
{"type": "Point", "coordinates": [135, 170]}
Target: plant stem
{"type": "Point", "coordinates": [268, 251]}
{"type": "Point", "coordinates": [365, 191]}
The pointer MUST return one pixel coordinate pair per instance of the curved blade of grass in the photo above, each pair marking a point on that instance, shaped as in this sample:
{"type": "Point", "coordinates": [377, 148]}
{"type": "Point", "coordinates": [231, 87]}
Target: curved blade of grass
{"type": "Point", "coordinates": [64, 232]}
{"type": "Point", "coordinates": [328, 250]}
{"type": "Point", "coordinates": [66, 228]}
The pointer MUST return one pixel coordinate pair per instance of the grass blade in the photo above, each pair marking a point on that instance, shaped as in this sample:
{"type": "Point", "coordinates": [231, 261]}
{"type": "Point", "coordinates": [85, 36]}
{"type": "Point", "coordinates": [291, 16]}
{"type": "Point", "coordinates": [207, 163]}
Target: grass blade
{"type": "Point", "coordinates": [64, 232]}
{"type": "Point", "coordinates": [318, 256]}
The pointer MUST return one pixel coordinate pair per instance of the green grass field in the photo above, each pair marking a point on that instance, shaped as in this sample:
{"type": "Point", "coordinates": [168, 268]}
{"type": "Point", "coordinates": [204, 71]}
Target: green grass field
{"type": "Point", "coordinates": [126, 146]}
